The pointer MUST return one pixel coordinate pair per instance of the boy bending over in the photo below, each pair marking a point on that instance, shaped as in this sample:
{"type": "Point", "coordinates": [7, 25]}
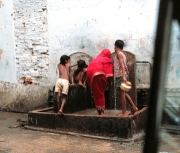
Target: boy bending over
{"type": "Point", "coordinates": [79, 75]}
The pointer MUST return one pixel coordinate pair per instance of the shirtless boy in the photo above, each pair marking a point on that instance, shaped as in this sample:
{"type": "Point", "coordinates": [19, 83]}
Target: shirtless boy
{"type": "Point", "coordinates": [79, 75]}
{"type": "Point", "coordinates": [62, 84]}
{"type": "Point", "coordinates": [121, 75]}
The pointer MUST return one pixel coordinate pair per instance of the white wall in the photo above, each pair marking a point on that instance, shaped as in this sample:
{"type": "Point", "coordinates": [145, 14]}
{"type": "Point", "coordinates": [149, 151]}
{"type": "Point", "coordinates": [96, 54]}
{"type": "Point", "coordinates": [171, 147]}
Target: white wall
{"type": "Point", "coordinates": [7, 54]}
{"type": "Point", "coordinates": [34, 34]}
{"type": "Point", "coordinates": [173, 69]}
{"type": "Point", "coordinates": [90, 26]}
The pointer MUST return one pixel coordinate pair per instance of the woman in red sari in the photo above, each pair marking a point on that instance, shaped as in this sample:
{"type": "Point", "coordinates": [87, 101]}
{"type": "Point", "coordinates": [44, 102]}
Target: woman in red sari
{"type": "Point", "coordinates": [99, 69]}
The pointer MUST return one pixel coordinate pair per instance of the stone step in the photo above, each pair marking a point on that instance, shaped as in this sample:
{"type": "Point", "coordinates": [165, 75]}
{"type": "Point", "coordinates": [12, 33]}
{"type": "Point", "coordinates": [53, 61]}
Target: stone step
{"type": "Point", "coordinates": [88, 122]}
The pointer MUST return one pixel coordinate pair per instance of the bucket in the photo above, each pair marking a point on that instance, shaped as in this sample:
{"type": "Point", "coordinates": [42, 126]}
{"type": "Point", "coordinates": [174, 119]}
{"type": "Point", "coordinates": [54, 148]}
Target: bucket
{"type": "Point", "coordinates": [126, 86]}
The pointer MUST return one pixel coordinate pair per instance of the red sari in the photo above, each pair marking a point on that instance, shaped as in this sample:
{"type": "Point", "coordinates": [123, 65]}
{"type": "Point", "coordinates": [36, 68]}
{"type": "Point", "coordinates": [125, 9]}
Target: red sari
{"type": "Point", "coordinates": [99, 69]}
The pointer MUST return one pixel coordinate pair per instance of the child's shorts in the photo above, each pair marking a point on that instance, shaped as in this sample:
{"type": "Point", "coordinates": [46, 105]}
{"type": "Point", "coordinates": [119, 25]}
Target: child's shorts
{"type": "Point", "coordinates": [62, 85]}
{"type": "Point", "coordinates": [119, 80]}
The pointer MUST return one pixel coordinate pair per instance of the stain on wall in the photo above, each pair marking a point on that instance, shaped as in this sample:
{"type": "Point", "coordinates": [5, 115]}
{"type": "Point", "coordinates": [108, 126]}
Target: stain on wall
{"type": "Point", "coordinates": [7, 55]}
{"type": "Point", "coordinates": [21, 98]}
{"type": "Point", "coordinates": [89, 27]}
{"type": "Point", "coordinates": [45, 30]}
{"type": "Point", "coordinates": [1, 4]}
{"type": "Point", "coordinates": [1, 51]}
{"type": "Point", "coordinates": [173, 68]}
{"type": "Point", "coordinates": [178, 73]}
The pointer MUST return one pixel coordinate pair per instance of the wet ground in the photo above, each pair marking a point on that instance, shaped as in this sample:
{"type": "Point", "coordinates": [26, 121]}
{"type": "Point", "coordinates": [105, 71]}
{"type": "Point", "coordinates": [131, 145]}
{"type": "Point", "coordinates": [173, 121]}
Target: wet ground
{"type": "Point", "coordinates": [14, 138]}
{"type": "Point", "coordinates": [94, 112]}
{"type": "Point", "coordinates": [91, 112]}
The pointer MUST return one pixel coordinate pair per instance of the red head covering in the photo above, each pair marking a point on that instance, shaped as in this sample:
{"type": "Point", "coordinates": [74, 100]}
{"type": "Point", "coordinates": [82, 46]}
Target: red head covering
{"type": "Point", "coordinates": [102, 64]}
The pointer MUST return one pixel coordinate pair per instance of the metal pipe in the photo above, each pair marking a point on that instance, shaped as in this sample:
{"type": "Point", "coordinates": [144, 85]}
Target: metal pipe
{"type": "Point", "coordinates": [145, 62]}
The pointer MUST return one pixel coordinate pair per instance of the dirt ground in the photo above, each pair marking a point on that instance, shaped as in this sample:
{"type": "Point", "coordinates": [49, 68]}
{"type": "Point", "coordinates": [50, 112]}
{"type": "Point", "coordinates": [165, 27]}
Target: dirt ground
{"type": "Point", "coordinates": [14, 138]}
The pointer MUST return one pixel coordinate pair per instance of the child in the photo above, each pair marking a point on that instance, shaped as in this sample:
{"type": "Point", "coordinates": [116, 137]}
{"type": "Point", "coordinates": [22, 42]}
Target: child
{"type": "Point", "coordinates": [121, 75]}
{"type": "Point", "coordinates": [79, 75]}
{"type": "Point", "coordinates": [62, 84]}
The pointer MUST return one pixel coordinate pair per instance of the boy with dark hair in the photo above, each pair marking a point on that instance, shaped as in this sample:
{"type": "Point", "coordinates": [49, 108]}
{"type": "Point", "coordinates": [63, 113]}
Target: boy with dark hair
{"type": "Point", "coordinates": [62, 84]}
{"type": "Point", "coordinates": [121, 74]}
{"type": "Point", "coordinates": [79, 75]}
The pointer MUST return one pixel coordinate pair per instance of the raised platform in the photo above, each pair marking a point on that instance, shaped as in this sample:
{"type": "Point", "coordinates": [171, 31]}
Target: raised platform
{"type": "Point", "coordinates": [88, 122]}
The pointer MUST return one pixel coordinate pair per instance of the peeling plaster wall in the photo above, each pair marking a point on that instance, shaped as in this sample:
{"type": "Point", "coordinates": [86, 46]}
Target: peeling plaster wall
{"type": "Point", "coordinates": [78, 26]}
{"type": "Point", "coordinates": [7, 54]}
{"type": "Point", "coordinates": [46, 29]}
{"type": "Point", "coordinates": [22, 98]}
{"type": "Point", "coordinates": [34, 34]}
{"type": "Point", "coordinates": [173, 69]}
{"type": "Point", "coordinates": [31, 41]}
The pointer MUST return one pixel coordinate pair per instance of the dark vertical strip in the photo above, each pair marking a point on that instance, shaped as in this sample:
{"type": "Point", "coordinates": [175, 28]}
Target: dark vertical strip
{"type": "Point", "coordinates": [156, 98]}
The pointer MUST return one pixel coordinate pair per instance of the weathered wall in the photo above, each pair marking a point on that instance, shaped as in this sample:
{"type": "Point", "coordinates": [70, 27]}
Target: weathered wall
{"type": "Point", "coordinates": [7, 55]}
{"type": "Point", "coordinates": [173, 69]}
{"type": "Point", "coordinates": [22, 98]}
{"type": "Point", "coordinates": [34, 34]}
{"type": "Point", "coordinates": [78, 26]}
{"type": "Point", "coordinates": [40, 37]}
{"type": "Point", "coordinates": [73, 27]}
{"type": "Point", "coordinates": [31, 41]}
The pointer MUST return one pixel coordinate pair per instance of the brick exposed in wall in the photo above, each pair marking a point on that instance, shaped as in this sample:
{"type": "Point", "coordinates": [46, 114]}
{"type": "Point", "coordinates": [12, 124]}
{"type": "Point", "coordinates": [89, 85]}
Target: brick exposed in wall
{"type": "Point", "coordinates": [31, 41]}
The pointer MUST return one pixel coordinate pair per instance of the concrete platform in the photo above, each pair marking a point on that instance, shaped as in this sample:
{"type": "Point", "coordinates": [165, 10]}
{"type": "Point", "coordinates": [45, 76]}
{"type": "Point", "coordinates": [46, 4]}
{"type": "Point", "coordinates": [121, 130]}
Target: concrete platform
{"type": "Point", "coordinates": [89, 123]}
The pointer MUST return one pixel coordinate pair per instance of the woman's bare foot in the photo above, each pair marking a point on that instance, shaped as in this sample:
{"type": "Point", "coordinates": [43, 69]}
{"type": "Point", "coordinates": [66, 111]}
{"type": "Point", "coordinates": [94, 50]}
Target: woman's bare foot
{"type": "Point", "coordinates": [122, 114]}
{"type": "Point", "coordinates": [60, 112]}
